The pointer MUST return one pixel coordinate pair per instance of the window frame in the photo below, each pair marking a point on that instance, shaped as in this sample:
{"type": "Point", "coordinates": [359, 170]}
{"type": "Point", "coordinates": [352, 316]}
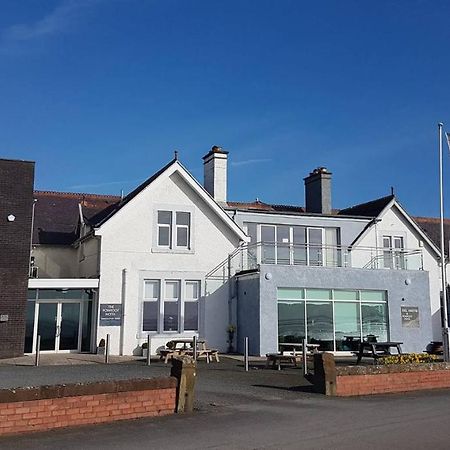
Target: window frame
{"type": "Point", "coordinates": [173, 247]}
{"type": "Point", "coordinates": [162, 300]}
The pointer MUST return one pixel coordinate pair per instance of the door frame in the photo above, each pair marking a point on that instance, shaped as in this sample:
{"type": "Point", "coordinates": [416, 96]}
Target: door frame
{"type": "Point", "coordinates": [59, 304]}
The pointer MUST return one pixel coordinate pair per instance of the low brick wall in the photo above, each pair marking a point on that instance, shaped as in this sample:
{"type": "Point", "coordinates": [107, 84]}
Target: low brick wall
{"type": "Point", "coordinates": [48, 407]}
{"type": "Point", "coordinates": [366, 380]}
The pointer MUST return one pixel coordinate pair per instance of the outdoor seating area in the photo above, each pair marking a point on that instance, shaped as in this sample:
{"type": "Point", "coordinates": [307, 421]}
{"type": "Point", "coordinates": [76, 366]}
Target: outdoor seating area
{"type": "Point", "coordinates": [181, 347]}
{"type": "Point", "coordinates": [377, 350]}
{"type": "Point", "coordinates": [290, 353]}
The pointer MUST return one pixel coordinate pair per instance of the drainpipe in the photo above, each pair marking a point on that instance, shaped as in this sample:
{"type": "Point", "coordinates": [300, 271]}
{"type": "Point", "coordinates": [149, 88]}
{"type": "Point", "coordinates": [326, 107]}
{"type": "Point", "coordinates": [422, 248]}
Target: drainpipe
{"type": "Point", "coordinates": [31, 237]}
{"type": "Point", "coordinates": [230, 292]}
{"type": "Point", "coordinates": [122, 324]}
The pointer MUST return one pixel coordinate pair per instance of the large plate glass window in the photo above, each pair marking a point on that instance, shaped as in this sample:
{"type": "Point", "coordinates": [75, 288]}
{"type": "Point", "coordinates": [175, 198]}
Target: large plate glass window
{"type": "Point", "coordinates": [336, 319]}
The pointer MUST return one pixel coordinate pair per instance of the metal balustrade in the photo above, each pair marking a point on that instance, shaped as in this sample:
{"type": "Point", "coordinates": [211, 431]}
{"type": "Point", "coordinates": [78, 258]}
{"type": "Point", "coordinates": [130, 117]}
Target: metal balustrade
{"type": "Point", "coordinates": [251, 256]}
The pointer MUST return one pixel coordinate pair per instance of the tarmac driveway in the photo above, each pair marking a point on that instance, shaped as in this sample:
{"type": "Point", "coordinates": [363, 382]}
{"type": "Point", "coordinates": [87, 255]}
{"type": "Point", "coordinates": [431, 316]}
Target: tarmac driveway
{"type": "Point", "coordinates": [262, 409]}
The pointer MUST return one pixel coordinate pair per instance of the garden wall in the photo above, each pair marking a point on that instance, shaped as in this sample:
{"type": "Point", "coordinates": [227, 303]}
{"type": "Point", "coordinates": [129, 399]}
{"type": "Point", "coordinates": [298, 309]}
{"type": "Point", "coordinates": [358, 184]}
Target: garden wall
{"type": "Point", "coordinates": [47, 407]}
{"type": "Point", "coordinates": [365, 380]}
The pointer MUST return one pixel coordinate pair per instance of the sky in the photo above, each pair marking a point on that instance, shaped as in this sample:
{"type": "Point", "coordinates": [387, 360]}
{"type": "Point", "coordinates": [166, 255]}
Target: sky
{"type": "Point", "coordinates": [101, 92]}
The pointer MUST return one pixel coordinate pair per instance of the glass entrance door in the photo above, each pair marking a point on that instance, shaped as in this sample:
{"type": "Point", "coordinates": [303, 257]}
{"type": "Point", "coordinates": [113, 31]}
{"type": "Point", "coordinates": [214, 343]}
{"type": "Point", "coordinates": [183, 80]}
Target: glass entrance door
{"type": "Point", "coordinates": [59, 326]}
{"type": "Point", "coordinates": [69, 326]}
{"type": "Point", "coordinates": [47, 325]}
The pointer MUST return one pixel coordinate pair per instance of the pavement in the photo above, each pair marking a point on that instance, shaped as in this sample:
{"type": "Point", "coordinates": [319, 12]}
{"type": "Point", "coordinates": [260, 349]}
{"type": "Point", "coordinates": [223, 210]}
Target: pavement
{"type": "Point", "coordinates": [259, 409]}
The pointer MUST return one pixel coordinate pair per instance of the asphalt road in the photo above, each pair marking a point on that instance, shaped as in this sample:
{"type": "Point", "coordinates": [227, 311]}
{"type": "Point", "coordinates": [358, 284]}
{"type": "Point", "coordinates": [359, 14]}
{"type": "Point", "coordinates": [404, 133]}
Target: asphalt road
{"type": "Point", "coordinates": [271, 410]}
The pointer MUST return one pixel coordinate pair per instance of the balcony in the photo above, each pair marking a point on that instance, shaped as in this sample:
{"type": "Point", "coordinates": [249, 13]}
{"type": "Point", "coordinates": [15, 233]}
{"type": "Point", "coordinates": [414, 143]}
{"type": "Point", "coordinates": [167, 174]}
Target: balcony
{"type": "Point", "coordinates": [250, 256]}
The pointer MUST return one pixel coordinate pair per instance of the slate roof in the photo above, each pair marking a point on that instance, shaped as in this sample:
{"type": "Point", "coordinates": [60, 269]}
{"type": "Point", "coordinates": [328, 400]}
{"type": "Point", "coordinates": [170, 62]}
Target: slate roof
{"type": "Point", "coordinates": [56, 214]}
{"type": "Point", "coordinates": [368, 209]}
{"type": "Point", "coordinates": [431, 226]}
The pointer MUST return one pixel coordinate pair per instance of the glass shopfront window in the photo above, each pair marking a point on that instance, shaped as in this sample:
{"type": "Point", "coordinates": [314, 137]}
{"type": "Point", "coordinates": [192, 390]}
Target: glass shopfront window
{"type": "Point", "coordinates": [335, 319]}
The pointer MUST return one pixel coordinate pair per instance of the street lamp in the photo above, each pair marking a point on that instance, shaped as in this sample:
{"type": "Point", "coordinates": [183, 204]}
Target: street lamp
{"type": "Point", "coordinates": [445, 336]}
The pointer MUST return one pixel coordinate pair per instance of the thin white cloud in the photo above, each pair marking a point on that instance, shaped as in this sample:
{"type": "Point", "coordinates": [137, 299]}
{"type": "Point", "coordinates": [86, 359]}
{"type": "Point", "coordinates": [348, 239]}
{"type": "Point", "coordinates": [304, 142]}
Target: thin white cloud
{"type": "Point", "coordinates": [247, 162]}
{"type": "Point", "coordinates": [106, 183]}
{"type": "Point", "coordinates": [55, 22]}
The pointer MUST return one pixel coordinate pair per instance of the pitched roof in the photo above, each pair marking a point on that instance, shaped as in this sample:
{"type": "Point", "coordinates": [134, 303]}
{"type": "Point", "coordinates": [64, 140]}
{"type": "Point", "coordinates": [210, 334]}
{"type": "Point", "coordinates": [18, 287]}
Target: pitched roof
{"type": "Point", "coordinates": [257, 205]}
{"type": "Point", "coordinates": [102, 216]}
{"type": "Point", "coordinates": [368, 209]}
{"type": "Point", "coordinates": [56, 214]}
{"type": "Point", "coordinates": [432, 227]}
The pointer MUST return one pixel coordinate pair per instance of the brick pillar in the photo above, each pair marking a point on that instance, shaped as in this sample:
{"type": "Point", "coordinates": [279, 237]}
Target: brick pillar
{"type": "Point", "coordinates": [16, 199]}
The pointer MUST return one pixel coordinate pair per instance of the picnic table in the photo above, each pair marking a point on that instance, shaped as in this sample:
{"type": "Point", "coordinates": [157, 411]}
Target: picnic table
{"type": "Point", "coordinates": [289, 356]}
{"type": "Point", "coordinates": [376, 350]}
{"type": "Point", "coordinates": [185, 346]}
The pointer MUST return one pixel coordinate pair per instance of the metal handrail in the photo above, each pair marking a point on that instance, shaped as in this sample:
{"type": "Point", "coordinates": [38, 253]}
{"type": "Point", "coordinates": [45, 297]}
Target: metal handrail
{"type": "Point", "coordinates": [250, 256]}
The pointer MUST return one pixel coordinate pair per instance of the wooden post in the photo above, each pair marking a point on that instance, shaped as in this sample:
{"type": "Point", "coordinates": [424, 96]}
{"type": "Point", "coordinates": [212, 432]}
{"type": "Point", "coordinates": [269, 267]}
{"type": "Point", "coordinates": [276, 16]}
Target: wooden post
{"type": "Point", "coordinates": [184, 370]}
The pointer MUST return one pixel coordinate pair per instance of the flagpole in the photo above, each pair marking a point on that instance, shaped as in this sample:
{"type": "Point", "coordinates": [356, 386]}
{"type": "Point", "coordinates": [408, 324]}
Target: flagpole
{"type": "Point", "coordinates": [445, 336]}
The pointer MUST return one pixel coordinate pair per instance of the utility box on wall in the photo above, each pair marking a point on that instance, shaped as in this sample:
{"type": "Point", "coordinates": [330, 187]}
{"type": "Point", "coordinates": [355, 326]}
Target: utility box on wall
{"type": "Point", "coordinates": [16, 204]}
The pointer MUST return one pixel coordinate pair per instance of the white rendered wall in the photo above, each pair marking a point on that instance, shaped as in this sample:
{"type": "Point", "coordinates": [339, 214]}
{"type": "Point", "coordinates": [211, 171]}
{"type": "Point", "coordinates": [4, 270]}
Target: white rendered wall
{"type": "Point", "coordinates": [393, 223]}
{"type": "Point", "coordinates": [215, 173]}
{"type": "Point", "coordinates": [127, 242]}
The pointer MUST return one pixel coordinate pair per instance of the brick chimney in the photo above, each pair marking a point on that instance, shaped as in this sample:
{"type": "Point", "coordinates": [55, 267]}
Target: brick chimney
{"type": "Point", "coordinates": [215, 164]}
{"type": "Point", "coordinates": [318, 191]}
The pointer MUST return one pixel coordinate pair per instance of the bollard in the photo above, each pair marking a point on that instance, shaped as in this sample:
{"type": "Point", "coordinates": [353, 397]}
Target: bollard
{"type": "Point", "coordinates": [38, 351]}
{"type": "Point", "coordinates": [246, 353]}
{"type": "Point", "coordinates": [148, 349]}
{"type": "Point", "coordinates": [304, 357]}
{"type": "Point", "coordinates": [184, 370]}
{"type": "Point", "coordinates": [195, 348]}
{"type": "Point", "coordinates": [107, 350]}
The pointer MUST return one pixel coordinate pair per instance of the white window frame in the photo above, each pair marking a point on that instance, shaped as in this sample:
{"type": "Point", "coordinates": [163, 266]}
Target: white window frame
{"type": "Point", "coordinates": [173, 247]}
{"type": "Point", "coordinates": [164, 225]}
{"type": "Point", "coordinates": [181, 301]}
{"type": "Point", "coordinates": [156, 300]}
{"type": "Point", "coordinates": [191, 300]}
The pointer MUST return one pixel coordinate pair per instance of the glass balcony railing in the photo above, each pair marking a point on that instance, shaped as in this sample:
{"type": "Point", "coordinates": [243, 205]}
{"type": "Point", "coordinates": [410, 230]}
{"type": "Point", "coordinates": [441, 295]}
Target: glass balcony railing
{"type": "Point", "coordinates": [250, 256]}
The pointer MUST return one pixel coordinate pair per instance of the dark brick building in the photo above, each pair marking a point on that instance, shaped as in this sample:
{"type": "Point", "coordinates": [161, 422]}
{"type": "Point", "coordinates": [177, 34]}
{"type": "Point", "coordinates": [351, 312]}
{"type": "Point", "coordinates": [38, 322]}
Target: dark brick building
{"type": "Point", "coordinates": [16, 200]}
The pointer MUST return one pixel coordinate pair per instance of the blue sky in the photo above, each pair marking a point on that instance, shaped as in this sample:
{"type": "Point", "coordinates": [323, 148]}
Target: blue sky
{"type": "Point", "coordinates": [100, 92]}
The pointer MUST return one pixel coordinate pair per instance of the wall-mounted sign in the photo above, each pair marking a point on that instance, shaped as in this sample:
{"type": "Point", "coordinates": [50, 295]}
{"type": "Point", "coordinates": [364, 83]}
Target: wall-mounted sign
{"type": "Point", "coordinates": [110, 314]}
{"type": "Point", "coordinates": [410, 317]}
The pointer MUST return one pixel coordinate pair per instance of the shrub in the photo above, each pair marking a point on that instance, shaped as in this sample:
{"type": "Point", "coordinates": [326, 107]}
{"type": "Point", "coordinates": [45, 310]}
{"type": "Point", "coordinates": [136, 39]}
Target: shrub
{"type": "Point", "coordinates": [408, 358]}
{"type": "Point", "coordinates": [101, 343]}
{"type": "Point", "coordinates": [144, 345]}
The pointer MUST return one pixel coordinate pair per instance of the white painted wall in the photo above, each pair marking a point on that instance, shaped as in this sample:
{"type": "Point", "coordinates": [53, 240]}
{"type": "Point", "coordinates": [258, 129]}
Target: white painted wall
{"type": "Point", "coordinates": [127, 241]}
{"type": "Point", "coordinates": [394, 223]}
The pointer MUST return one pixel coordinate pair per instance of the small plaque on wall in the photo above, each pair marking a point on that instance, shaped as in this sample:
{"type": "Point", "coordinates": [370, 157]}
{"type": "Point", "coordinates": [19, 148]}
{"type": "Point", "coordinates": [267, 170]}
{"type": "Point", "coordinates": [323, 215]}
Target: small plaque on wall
{"type": "Point", "coordinates": [410, 317]}
{"type": "Point", "coordinates": [110, 314]}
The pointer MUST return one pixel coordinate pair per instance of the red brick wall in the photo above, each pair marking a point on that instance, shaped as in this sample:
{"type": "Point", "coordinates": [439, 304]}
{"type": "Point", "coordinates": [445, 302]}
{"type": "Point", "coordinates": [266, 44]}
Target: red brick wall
{"type": "Point", "coordinates": [347, 385]}
{"type": "Point", "coordinates": [38, 415]}
{"type": "Point", "coordinates": [47, 407]}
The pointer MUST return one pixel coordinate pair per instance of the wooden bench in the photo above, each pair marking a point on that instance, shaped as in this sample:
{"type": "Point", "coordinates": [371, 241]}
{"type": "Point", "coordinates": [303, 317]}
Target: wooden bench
{"type": "Point", "coordinates": [277, 358]}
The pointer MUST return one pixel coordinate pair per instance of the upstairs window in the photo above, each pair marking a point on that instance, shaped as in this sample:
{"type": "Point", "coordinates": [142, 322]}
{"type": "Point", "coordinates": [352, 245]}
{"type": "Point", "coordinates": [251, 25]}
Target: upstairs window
{"type": "Point", "coordinates": [165, 229]}
{"type": "Point", "coordinates": [174, 230]}
{"type": "Point", "coordinates": [183, 223]}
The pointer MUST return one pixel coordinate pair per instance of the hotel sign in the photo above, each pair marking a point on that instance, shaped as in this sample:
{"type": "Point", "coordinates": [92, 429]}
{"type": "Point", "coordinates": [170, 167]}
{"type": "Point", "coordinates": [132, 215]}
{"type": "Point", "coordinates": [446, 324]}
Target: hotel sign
{"type": "Point", "coordinates": [410, 317]}
{"type": "Point", "coordinates": [110, 314]}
